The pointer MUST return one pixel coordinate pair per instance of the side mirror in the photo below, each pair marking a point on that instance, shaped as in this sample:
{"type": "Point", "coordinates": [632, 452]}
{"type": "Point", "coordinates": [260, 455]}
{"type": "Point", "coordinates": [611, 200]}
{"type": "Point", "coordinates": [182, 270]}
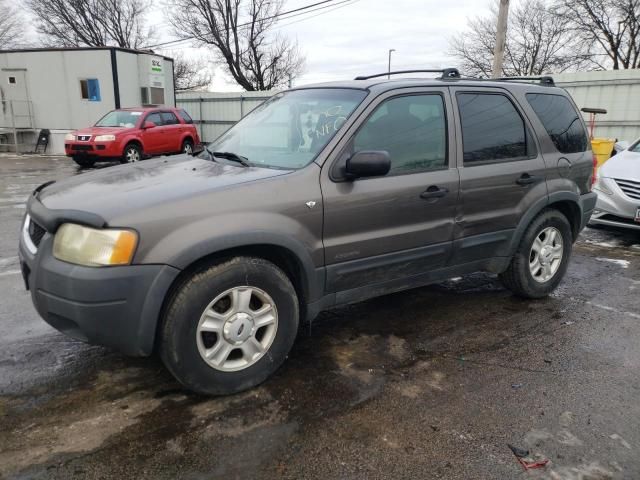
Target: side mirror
{"type": "Point", "coordinates": [367, 163]}
{"type": "Point", "coordinates": [148, 124]}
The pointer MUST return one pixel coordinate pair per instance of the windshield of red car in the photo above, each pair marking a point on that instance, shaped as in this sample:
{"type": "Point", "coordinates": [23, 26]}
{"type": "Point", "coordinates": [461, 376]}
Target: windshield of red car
{"type": "Point", "coordinates": [120, 118]}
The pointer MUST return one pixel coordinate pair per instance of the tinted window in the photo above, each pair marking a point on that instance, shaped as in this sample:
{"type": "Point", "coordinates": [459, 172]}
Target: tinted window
{"type": "Point", "coordinates": [185, 116]}
{"type": "Point", "coordinates": [411, 128]}
{"type": "Point", "coordinates": [492, 128]}
{"type": "Point", "coordinates": [168, 118]}
{"type": "Point", "coordinates": [155, 118]}
{"type": "Point", "coordinates": [560, 120]}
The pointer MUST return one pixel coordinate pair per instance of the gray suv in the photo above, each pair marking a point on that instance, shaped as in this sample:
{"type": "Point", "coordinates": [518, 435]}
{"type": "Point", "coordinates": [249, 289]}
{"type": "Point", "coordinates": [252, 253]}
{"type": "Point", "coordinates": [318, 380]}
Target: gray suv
{"type": "Point", "coordinates": [322, 196]}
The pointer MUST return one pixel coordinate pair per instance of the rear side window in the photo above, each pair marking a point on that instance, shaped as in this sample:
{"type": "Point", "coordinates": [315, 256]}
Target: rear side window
{"type": "Point", "coordinates": [168, 118]}
{"type": "Point", "coordinates": [492, 128]}
{"type": "Point", "coordinates": [185, 116]}
{"type": "Point", "coordinates": [560, 120]}
{"type": "Point", "coordinates": [412, 129]}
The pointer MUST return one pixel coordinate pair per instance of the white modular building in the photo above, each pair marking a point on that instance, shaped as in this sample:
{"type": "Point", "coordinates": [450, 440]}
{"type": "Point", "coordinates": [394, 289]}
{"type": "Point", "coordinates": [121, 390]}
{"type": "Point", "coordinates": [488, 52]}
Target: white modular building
{"type": "Point", "coordinates": [63, 89]}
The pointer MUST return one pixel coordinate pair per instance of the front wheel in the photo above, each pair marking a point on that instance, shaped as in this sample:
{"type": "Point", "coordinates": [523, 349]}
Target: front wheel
{"type": "Point", "coordinates": [229, 326]}
{"type": "Point", "coordinates": [132, 153]}
{"type": "Point", "coordinates": [542, 257]}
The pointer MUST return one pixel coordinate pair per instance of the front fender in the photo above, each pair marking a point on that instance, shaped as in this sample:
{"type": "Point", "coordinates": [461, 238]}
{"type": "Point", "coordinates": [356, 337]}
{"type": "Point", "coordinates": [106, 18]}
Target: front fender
{"type": "Point", "coordinates": [189, 244]}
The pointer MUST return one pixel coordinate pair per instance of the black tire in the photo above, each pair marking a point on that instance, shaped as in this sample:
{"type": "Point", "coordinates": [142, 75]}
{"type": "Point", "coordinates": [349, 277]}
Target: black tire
{"type": "Point", "coordinates": [518, 277]}
{"type": "Point", "coordinates": [84, 162]}
{"type": "Point", "coordinates": [132, 150]}
{"type": "Point", "coordinates": [178, 338]}
{"type": "Point", "coordinates": [187, 147]}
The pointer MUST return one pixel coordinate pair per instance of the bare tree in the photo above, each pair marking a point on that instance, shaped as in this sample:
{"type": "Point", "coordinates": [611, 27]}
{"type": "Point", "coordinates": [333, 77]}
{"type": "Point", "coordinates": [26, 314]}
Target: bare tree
{"type": "Point", "coordinates": [190, 74]}
{"type": "Point", "coordinates": [612, 26]}
{"type": "Point", "coordinates": [92, 23]}
{"type": "Point", "coordinates": [11, 26]}
{"type": "Point", "coordinates": [538, 41]}
{"type": "Point", "coordinates": [241, 38]}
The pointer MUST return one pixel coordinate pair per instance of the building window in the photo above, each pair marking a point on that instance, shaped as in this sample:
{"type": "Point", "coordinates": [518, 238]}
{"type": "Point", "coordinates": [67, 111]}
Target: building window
{"type": "Point", "coordinates": [90, 89]}
{"type": "Point", "coordinates": [12, 81]}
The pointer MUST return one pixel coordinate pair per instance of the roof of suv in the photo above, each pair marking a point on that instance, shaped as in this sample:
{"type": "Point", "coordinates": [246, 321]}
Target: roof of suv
{"type": "Point", "coordinates": [380, 83]}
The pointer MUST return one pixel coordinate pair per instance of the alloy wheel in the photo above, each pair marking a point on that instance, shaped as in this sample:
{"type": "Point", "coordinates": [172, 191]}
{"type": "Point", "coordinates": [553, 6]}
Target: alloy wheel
{"type": "Point", "coordinates": [546, 254]}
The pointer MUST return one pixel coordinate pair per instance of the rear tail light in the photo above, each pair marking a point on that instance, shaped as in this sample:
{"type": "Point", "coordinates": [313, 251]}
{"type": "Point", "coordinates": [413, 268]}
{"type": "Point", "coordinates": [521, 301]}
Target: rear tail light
{"type": "Point", "coordinates": [594, 174]}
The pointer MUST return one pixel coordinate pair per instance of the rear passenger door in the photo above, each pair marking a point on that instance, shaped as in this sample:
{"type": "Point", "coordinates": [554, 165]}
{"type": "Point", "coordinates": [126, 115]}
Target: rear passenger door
{"type": "Point", "coordinates": [382, 229]}
{"type": "Point", "coordinates": [502, 174]}
{"type": "Point", "coordinates": [173, 131]}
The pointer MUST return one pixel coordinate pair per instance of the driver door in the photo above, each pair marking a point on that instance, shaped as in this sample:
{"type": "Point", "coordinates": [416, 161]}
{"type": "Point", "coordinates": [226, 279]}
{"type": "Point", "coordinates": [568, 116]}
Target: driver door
{"type": "Point", "coordinates": [154, 138]}
{"type": "Point", "coordinates": [384, 229]}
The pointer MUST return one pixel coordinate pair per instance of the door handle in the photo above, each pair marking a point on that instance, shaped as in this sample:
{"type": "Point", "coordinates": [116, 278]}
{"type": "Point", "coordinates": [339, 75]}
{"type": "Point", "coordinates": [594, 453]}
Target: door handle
{"type": "Point", "coordinates": [434, 192]}
{"type": "Point", "coordinates": [526, 179]}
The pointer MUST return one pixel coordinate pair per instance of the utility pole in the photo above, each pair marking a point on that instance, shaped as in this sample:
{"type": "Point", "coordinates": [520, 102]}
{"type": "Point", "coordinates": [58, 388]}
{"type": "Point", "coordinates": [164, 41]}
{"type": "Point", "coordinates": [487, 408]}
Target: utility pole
{"type": "Point", "coordinates": [389, 68]}
{"type": "Point", "coordinates": [501, 38]}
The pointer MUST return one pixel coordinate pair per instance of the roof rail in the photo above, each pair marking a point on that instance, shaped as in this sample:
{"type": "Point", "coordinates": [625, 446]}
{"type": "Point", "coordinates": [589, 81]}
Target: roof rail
{"type": "Point", "coordinates": [545, 80]}
{"type": "Point", "coordinates": [446, 73]}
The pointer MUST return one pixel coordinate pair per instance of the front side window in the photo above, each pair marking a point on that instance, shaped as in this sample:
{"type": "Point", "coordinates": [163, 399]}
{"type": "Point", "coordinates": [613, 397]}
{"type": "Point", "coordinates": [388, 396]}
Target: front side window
{"type": "Point", "coordinates": [154, 118]}
{"type": "Point", "coordinates": [291, 128]}
{"type": "Point", "coordinates": [411, 128]}
{"type": "Point", "coordinates": [560, 120]}
{"type": "Point", "coordinates": [492, 128]}
{"type": "Point", "coordinates": [120, 118]}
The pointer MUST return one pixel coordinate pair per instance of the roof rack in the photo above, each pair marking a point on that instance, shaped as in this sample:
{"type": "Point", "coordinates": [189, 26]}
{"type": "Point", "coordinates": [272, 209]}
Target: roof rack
{"type": "Point", "coordinates": [545, 80]}
{"type": "Point", "coordinates": [446, 73]}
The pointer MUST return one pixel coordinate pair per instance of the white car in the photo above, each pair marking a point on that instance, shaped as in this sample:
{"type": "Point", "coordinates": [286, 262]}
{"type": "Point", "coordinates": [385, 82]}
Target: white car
{"type": "Point", "coordinates": [618, 189]}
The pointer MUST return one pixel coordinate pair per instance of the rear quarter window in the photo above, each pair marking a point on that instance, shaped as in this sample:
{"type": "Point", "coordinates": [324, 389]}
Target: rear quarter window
{"type": "Point", "coordinates": [185, 116]}
{"type": "Point", "coordinates": [561, 121]}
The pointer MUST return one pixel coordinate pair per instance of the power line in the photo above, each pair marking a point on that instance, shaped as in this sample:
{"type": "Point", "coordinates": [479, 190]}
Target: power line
{"type": "Point", "coordinates": [336, 6]}
{"type": "Point", "coordinates": [279, 15]}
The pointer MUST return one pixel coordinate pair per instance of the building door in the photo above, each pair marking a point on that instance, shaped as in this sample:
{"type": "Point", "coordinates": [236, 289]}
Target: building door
{"type": "Point", "coordinates": [15, 110]}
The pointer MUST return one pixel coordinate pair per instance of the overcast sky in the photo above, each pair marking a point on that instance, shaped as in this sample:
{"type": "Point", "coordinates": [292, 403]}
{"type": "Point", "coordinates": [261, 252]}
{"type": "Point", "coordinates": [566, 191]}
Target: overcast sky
{"type": "Point", "coordinates": [354, 38]}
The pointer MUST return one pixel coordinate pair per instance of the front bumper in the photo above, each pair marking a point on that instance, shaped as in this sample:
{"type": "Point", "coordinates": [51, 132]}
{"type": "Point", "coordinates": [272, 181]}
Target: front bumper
{"type": "Point", "coordinates": [93, 149]}
{"type": "Point", "coordinates": [615, 209]}
{"type": "Point", "coordinates": [118, 307]}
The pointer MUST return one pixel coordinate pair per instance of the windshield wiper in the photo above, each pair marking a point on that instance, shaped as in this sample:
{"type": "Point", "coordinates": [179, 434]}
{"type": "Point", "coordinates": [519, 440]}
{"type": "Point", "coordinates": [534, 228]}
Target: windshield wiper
{"type": "Point", "coordinates": [234, 157]}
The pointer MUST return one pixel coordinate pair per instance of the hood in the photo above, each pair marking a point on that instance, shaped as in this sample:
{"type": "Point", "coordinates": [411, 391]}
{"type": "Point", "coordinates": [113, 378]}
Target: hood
{"type": "Point", "coordinates": [102, 130]}
{"type": "Point", "coordinates": [114, 191]}
{"type": "Point", "coordinates": [625, 166]}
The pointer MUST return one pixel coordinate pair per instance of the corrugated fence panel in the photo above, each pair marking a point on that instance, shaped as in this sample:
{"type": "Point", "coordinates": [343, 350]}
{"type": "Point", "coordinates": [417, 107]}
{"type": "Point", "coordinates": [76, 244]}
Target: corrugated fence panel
{"type": "Point", "coordinates": [617, 91]}
{"type": "Point", "coordinates": [214, 113]}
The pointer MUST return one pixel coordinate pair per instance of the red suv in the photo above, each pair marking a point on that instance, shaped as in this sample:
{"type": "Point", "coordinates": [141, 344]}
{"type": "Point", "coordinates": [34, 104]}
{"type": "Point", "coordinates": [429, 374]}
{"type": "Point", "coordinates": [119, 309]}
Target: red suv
{"type": "Point", "coordinates": [131, 134]}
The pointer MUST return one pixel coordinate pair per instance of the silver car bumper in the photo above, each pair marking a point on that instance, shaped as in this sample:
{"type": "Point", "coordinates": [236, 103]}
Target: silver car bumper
{"type": "Point", "coordinates": [616, 207]}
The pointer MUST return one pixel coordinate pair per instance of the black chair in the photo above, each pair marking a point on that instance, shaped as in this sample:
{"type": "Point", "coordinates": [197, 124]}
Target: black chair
{"type": "Point", "coordinates": [43, 140]}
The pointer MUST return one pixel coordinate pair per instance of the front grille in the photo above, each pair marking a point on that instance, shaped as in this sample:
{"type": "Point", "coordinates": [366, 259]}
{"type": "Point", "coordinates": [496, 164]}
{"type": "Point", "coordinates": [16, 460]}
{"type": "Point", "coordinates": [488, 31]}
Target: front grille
{"type": "Point", "coordinates": [630, 188]}
{"type": "Point", "coordinates": [82, 148]}
{"type": "Point", "coordinates": [36, 232]}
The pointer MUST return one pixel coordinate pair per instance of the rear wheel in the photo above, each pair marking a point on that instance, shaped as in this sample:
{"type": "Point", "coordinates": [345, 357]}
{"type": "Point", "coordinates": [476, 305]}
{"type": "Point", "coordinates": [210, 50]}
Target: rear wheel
{"type": "Point", "coordinates": [132, 153]}
{"type": "Point", "coordinates": [187, 147]}
{"type": "Point", "coordinates": [229, 326]}
{"type": "Point", "coordinates": [84, 162]}
{"type": "Point", "coordinates": [542, 257]}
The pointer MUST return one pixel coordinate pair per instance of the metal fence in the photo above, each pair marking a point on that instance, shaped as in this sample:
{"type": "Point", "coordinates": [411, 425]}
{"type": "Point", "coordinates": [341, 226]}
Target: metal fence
{"type": "Point", "coordinates": [617, 91]}
{"type": "Point", "coordinates": [214, 113]}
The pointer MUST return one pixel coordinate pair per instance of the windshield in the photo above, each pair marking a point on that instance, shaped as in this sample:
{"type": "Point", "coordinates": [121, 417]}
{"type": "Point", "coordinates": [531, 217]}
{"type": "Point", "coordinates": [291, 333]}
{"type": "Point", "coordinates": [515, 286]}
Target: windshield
{"type": "Point", "coordinates": [119, 118]}
{"type": "Point", "coordinates": [291, 128]}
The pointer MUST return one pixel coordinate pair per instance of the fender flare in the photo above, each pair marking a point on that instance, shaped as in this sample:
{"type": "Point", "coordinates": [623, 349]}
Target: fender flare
{"type": "Point", "coordinates": [537, 207]}
{"type": "Point", "coordinates": [312, 277]}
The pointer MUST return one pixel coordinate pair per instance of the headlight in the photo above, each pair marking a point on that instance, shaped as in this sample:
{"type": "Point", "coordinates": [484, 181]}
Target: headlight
{"type": "Point", "coordinates": [70, 137]}
{"type": "Point", "coordinates": [94, 247]}
{"type": "Point", "coordinates": [600, 186]}
{"type": "Point", "coordinates": [105, 138]}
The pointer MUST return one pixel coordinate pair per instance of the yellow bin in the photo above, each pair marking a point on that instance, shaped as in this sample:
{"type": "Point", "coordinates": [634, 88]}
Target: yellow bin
{"type": "Point", "coordinates": [602, 148]}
